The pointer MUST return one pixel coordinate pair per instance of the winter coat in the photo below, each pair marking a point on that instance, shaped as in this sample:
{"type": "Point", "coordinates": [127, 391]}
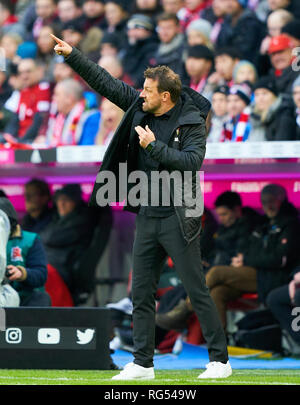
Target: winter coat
{"type": "Point", "coordinates": [245, 36]}
{"type": "Point", "coordinates": [278, 125]}
{"type": "Point", "coordinates": [273, 250]}
{"type": "Point", "coordinates": [183, 153]}
{"type": "Point", "coordinates": [171, 55]}
{"type": "Point", "coordinates": [138, 57]}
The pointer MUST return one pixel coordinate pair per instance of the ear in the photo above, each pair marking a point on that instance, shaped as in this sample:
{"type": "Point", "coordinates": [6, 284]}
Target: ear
{"type": "Point", "coordinates": [166, 96]}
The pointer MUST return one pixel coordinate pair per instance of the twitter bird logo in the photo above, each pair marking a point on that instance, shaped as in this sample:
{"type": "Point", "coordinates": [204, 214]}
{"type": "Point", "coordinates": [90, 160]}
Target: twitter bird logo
{"type": "Point", "coordinates": [85, 337]}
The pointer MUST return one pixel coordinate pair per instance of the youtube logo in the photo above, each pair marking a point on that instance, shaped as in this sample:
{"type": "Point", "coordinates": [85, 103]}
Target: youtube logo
{"type": "Point", "coordinates": [48, 336]}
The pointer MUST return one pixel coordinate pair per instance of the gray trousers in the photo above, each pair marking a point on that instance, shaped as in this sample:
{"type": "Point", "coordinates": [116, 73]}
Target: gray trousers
{"type": "Point", "coordinates": [155, 239]}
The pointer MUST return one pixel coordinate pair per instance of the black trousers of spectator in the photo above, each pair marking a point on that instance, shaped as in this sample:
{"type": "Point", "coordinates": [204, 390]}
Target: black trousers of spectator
{"type": "Point", "coordinates": [280, 304]}
{"type": "Point", "coordinates": [37, 299]}
{"type": "Point", "coordinates": [155, 239]}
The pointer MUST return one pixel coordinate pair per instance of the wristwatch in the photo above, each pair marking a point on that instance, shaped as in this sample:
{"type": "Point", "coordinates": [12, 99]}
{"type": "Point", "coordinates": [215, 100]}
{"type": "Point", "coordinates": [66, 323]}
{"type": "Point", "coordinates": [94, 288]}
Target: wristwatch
{"type": "Point", "coordinates": [150, 146]}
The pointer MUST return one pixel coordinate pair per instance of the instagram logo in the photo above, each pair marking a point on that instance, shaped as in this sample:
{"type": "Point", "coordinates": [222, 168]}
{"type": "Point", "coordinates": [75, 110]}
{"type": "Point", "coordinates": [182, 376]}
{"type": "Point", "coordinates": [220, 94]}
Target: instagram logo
{"type": "Point", "coordinates": [13, 335]}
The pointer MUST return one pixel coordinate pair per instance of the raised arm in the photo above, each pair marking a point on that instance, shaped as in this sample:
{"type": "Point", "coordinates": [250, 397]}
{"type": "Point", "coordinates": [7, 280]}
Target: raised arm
{"type": "Point", "coordinates": [98, 78]}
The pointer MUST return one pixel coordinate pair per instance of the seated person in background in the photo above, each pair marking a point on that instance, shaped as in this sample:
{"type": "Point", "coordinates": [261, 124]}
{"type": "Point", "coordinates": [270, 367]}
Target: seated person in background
{"type": "Point", "coordinates": [8, 20]}
{"type": "Point", "coordinates": [268, 258]}
{"type": "Point", "coordinates": [225, 61]}
{"type": "Point", "coordinates": [215, 15]}
{"type": "Point", "coordinates": [74, 123]}
{"type": "Point", "coordinates": [113, 65]}
{"type": "Point", "coordinates": [111, 116]}
{"type": "Point", "coordinates": [199, 65]}
{"type": "Point", "coordinates": [275, 22]}
{"type": "Point", "coordinates": [244, 71]}
{"type": "Point", "coordinates": [37, 203]}
{"type": "Point", "coordinates": [272, 117]}
{"type": "Point", "coordinates": [192, 10]}
{"type": "Point", "coordinates": [69, 233]}
{"type": "Point", "coordinates": [219, 113]}
{"type": "Point", "coordinates": [198, 33]}
{"type": "Point", "coordinates": [8, 295]}
{"type": "Point", "coordinates": [237, 128]}
{"type": "Point", "coordinates": [296, 97]}
{"type": "Point", "coordinates": [281, 55]}
{"type": "Point", "coordinates": [281, 301]}
{"type": "Point", "coordinates": [171, 45]}
{"type": "Point", "coordinates": [33, 105]}
{"type": "Point", "coordinates": [26, 262]}
{"type": "Point", "coordinates": [237, 25]}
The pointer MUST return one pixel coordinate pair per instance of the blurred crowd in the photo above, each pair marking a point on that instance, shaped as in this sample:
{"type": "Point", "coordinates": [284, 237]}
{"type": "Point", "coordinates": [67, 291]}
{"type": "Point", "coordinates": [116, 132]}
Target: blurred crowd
{"type": "Point", "coordinates": [243, 55]}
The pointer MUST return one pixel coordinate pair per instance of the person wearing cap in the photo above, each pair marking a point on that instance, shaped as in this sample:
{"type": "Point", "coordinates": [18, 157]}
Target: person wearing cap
{"type": "Point", "coordinates": [239, 22]}
{"type": "Point", "coordinates": [151, 8]}
{"type": "Point", "coordinates": [170, 50]}
{"type": "Point", "coordinates": [198, 33]}
{"type": "Point", "coordinates": [73, 31]}
{"type": "Point", "coordinates": [198, 65]}
{"type": "Point", "coordinates": [68, 234]}
{"type": "Point", "coordinates": [296, 98]}
{"type": "Point", "coordinates": [272, 117]}
{"type": "Point", "coordinates": [244, 71]}
{"type": "Point", "coordinates": [219, 113]}
{"type": "Point", "coordinates": [110, 44]}
{"type": "Point", "coordinates": [141, 48]}
{"type": "Point", "coordinates": [164, 127]}
{"type": "Point", "coordinates": [26, 261]}
{"type": "Point", "coordinates": [237, 128]}
{"type": "Point", "coordinates": [281, 55]}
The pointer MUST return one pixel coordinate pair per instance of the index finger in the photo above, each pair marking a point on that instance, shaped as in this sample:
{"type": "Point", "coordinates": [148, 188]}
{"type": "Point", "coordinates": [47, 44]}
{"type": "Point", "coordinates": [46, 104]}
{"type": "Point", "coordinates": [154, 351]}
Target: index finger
{"type": "Point", "coordinates": [59, 41]}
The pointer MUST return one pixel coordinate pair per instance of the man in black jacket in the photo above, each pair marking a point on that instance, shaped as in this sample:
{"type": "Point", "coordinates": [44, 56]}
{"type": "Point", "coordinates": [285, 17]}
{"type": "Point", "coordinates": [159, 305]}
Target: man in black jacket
{"type": "Point", "coordinates": [163, 128]}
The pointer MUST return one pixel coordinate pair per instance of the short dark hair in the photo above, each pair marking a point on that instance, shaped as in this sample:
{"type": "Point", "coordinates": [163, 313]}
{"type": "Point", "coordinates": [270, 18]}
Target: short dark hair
{"type": "Point", "coordinates": [168, 16]}
{"type": "Point", "coordinates": [8, 5]}
{"type": "Point", "coordinates": [41, 185]}
{"type": "Point", "coordinates": [228, 199]}
{"type": "Point", "coordinates": [233, 53]}
{"type": "Point", "coordinates": [167, 79]}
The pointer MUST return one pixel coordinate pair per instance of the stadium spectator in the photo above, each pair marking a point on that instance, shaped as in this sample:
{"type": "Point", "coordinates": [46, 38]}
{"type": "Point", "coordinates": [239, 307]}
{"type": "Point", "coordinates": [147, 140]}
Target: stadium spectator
{"type": "Point", "coordinates": [68, 10]}
{"type": "Point", "coordinates": [281, 55]}
{"type": "Point", "coordinates": [172, 6]}
{"type": "Point", "coordinates": [75, 123]}
{"type": "Point", "coordinates": [296, 97]}
{"type": "Point", "coordinates": [26, 262]}
{"type": "Point", "coordinates": [199, 65]}
{"type": "Point", "coordinates": [38, 206]}
{"type": "Point", "coordinates": [237, 128]}
{"type": "Point", "coordinates": [275, 22]}
{"type": "Point", "coordinates": [281, 301]}
{"type": "Point", "coordinates": [142, 45]}
{"type": "Point", "coordinates": [9, 22]}
{"type": "Point", "coordinates": [114, 66]}
{"type": "Point", "coordinates": [61, 70]}
{"type": "Point", "coordinates": [69, 233]}
{"type": "Point", "coordinates": [289, 5]}
{"type": "Point", "coordinates": [225, 62]}
{"type": "Point", "coordinates": [5, 87]}
{"type": "Point", "coordinates": [244, 71]}
{"type": "Point", "coordinates": [198, 33]}
{"type": "Point", "coordinates": [171, 46]}
{"type": "Point", "coordinates": [272, 117]}
{"type": "Point", "coordinates": [219, 113]}
{"type": "Point", "coordinates": [215, 15]}
{"type": "Point", "coordinates": [192, 10]}
{"type": "Point", "coordinates": [8, 295]}
{"type": "Point", "coordinates": [111, 116]}
{"type": "Point", "coordinates": [93, 11]}
{"type": "Point", "coordinates": [46, 14]}
{"type": "Point", "coordinates": [72, 32]}
{"type": "Point", "coordinates": [45, 51]}
{"type": "Point", "coordinates": [33, 103]}
{"type": "Point", "coordinates": [110, 45]}
{"type": "Point", "coordinates": [116, 16]}
{"type": "Point", "coordinates": [239, 21]}
{"type": "Point", "coordinates": [151, 8]}
{"type": "Point", "coordinates": [9, 43]}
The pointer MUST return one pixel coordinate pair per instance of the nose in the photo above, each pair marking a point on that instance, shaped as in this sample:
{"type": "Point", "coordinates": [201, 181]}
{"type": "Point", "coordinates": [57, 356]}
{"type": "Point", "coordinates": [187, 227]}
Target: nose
{"type": "Point", "coordinates": [142, 94]}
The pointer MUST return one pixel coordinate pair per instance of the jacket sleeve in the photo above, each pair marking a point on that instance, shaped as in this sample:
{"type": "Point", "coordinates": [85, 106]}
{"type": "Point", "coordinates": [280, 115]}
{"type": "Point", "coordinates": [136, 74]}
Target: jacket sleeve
{"type": "Point", "coordinates": [191, 155]}
{"type": "Point", "coordinates": [101, 81]}
{"type": "Point", "coordinates": [274, 257]}
{"type": "Point", "coordinates": [36, 265]}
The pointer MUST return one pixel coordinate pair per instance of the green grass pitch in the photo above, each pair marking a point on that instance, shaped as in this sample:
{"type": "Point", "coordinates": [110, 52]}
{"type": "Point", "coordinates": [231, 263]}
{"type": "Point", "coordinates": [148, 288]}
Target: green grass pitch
{"type": "Point", "coordinates": [163, 377]}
